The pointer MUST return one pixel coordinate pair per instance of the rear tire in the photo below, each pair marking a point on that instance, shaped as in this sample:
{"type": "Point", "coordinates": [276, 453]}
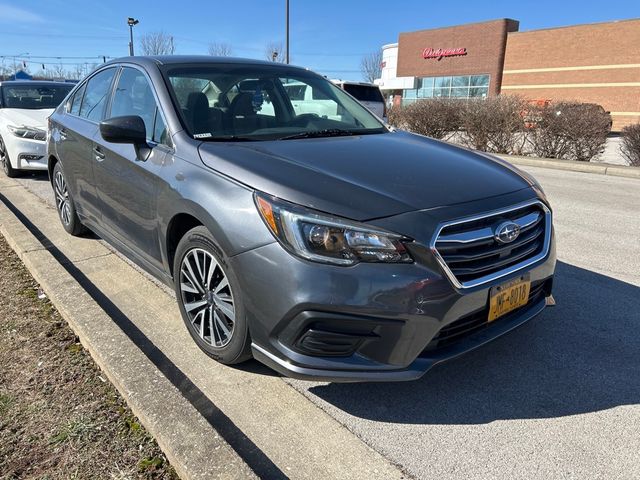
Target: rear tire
{"type": "Point", "coordinates": [5, 162]}
{"type": "Point", "coordinates": [64, 203]}
{"type": "Point", "coordinates": [210, 299]}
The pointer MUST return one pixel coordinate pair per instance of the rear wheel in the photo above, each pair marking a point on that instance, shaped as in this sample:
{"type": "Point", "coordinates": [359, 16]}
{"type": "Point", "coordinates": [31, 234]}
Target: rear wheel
{"type": "Point", "coordinates": [64, 203]}
{"type": "Point", "coordinates": [5, 163]}
{"type": "Point", "coordinates": [209, 298]}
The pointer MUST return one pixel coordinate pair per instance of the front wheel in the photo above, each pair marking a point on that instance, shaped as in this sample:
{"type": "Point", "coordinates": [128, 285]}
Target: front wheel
{"type": "Point", "coordinates": [5, 162]}
{"type": "Point", "coordinates": [64, 203]}
{"type": "Point", "coordinates": [209, 298]}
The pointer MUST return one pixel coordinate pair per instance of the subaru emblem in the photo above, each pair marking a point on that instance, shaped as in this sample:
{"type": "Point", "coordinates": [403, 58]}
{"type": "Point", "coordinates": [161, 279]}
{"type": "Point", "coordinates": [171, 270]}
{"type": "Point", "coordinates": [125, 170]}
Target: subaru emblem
{"type": "Point", "coordinates": [506, 232]}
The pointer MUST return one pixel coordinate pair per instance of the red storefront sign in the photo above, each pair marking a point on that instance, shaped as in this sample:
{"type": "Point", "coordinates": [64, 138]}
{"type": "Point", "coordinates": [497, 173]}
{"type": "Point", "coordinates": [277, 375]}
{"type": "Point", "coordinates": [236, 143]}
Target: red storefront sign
{"type": "Point", "coordinates": [440, 53]}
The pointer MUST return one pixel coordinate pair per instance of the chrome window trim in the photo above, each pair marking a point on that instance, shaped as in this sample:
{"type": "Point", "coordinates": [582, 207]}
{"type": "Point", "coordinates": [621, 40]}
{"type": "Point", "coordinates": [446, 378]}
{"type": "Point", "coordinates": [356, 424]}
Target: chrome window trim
{"type": "Point", "coordinates": [502, 273]}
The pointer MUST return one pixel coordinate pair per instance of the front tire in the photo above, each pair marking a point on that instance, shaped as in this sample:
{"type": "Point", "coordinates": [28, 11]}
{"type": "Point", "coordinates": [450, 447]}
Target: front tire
{"type": "Point", "coordinates": [209, 298]}
{"type": "Point", "coordinates": [5, 162]}
{"type": "Point", "coordinates": [64, 203]}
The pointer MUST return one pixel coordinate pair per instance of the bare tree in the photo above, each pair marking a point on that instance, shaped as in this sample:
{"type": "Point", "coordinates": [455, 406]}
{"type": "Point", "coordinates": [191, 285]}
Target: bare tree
{"type": "Point", "coordinates": [77, 73]}
{"type": "Point", "coordinates": [4, 72]}
{"type": "Point", "coordinates": [274, 51]}
{"type": "Point", "coordinates": [371, 66]}
{"type": "Point", "coordinates": [157, 43]}
{"type": "Point", "coordinates": [219, 49]}
{"type": "Point", "coordinates": [57, 71]}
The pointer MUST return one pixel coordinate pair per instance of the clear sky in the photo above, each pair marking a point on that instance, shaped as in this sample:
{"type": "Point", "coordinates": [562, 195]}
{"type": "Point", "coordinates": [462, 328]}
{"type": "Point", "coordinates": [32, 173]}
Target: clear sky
{"type": "Point", "coordinates": [328, 36]}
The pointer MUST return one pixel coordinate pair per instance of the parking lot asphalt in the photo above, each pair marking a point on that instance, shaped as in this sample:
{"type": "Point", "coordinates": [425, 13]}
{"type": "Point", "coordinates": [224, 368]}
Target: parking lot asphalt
{"type": "Point", "coordinates": [559, 398]}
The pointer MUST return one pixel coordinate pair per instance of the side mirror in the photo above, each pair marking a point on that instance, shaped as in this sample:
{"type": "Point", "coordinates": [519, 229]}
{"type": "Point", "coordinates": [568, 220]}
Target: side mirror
{"type": "Point", "coordinates": [126, 129]}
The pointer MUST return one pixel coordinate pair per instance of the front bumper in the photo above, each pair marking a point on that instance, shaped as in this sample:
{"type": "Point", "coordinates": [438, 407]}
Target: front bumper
{"type": "Point", "coordinates": [369, 322]}
{"type": "Point", "coordinates": [27, 154]}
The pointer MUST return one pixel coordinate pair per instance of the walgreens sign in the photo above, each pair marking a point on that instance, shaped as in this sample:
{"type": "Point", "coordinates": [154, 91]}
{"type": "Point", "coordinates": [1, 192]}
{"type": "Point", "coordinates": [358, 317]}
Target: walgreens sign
{"type": "Point", "coordinates": [440, 53]}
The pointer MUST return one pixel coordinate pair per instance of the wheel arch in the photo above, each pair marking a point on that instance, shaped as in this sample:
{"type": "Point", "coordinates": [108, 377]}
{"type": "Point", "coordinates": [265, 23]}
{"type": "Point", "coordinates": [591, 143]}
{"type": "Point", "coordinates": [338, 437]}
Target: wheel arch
{"type": "Point", "coordinates": [51, 163]}
{"type": "Point", "coordinates": [177, 228]}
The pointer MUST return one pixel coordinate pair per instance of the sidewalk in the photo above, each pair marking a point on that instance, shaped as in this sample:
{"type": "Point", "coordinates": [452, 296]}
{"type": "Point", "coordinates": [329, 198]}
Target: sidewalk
{"type": "Point", "coordinates": [585, 167]}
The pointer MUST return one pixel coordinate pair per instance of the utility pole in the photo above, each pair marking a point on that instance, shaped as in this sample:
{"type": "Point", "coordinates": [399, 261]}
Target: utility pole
{"type": "Point", "coordinates": [15, 66]}
{"type": "Point", "coordinates": [287, 36]}
{"type": "Point", "coordinates": [131, 22]}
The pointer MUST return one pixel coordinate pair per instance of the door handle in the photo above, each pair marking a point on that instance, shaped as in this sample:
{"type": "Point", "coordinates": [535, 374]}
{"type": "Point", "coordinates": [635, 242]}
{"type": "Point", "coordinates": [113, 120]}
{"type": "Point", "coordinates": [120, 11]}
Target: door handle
{"type": "Point", "coordinates": [99, 155]}
{"type": "Point", "coordinates": [63, 134]}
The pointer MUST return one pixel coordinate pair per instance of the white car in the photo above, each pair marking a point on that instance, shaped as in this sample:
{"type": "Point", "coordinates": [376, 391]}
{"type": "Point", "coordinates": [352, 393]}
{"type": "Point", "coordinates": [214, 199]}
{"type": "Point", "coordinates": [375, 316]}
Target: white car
{"type": "Point", "coordinates": [367, 94]}
{"type": "Point", "coordinates": [305, 99]}
{"type": "Point", "coordinates": [24, 109]}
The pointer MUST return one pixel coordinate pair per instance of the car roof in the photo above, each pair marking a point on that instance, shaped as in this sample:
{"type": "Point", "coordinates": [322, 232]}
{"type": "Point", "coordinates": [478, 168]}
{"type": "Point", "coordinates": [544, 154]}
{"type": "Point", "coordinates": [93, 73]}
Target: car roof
{"type": "Point", "coordinates": [158, 60]}
{"type": "Point", "coordinates": [36, 83]}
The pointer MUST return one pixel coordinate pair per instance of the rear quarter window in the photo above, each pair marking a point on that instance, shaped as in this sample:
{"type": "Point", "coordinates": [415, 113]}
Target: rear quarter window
{"type": "Point", "coordinates": [76, 101]}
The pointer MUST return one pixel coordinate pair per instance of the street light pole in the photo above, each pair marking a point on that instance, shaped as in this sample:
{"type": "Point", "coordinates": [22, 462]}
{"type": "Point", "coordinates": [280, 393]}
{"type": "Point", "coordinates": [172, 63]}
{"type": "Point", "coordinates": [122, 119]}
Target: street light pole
{"type": "Point", "coordinates": [287, 36]}
{"type": "Point", "coordinates": [131, 22]}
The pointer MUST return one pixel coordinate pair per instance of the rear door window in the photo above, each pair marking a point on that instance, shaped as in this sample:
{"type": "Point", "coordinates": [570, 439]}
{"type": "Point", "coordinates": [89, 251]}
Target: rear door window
{"type": "Point", "coordinates": [96, 95]}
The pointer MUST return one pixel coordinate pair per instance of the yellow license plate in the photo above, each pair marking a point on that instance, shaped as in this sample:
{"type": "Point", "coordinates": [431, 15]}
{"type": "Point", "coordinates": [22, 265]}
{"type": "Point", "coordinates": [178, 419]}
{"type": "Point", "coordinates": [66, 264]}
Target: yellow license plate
{"type": "Point", "coordinates": [508, 296]}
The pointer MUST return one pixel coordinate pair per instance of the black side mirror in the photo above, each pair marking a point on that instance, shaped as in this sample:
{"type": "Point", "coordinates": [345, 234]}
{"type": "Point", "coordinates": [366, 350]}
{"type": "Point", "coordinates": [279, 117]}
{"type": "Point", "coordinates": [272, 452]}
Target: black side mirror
{"type": "Point", "coordinates": [126, 129]}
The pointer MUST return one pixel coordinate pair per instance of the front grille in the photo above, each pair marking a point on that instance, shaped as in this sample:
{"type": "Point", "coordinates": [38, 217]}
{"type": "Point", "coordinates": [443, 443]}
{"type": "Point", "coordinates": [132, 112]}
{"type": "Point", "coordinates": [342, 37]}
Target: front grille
{"type": "Point", "coordinates": [476, 321]}
{"type": "Point", "coordinates": [472, 254]}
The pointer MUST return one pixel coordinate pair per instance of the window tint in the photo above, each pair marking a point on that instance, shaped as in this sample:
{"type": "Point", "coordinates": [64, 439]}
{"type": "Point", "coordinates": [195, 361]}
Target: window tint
{"type": "Point", "coordinates": [364, 93]}
{"type": "Point", "coordinates": [34, 96]}
{"type": "Point", "coordinates": [77, 100]}
{"type": "Point", "coordinates": [133, 96]}
{"type": "Point", "coordinates": [96, 95]}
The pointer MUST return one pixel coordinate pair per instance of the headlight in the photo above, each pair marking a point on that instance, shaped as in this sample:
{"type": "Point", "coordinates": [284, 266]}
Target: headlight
{"type": "Point", "coordinates": [28, 132]}
{"type": "Point", "coordinates": [322, 238]}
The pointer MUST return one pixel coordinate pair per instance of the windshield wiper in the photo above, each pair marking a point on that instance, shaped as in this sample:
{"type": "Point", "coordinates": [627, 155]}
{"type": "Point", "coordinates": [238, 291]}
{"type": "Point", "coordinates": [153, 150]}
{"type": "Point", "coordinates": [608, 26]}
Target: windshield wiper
{"type": "Point", "coordinates": [227, 138]}
{"type": "Point", "coordinates": [327, 132]}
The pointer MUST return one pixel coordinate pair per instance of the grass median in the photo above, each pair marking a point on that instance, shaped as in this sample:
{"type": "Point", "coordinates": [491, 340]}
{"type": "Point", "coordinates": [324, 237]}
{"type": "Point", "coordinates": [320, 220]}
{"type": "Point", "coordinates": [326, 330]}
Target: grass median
{"type": "Point", "coordinates": [59, 415]}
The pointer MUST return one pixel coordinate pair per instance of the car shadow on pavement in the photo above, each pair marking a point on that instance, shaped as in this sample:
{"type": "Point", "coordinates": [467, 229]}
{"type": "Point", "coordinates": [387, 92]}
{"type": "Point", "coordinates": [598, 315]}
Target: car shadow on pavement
{"type": "Point", "coordinates": [40, 175]}
{"type": "Point", "coordinates": [581, 356]}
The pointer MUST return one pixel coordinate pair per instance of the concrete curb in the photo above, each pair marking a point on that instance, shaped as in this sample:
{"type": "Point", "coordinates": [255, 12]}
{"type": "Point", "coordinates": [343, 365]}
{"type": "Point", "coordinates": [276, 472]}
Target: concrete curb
{"type": "Point", "coordinates": [585, 167]}
{"type": "Point", "coordinates": [210, 420]}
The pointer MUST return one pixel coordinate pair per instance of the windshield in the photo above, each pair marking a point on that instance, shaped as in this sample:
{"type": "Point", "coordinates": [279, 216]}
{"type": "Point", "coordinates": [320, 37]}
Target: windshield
{"type": "Point", "coordinates": [34, 97]}
{"type": "Point", "coordinates": [264, 102]}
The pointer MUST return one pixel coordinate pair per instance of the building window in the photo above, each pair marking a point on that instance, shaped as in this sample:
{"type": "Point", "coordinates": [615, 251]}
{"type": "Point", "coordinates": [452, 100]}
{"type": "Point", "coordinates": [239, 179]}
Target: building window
{"type": "Point", "coordinates": [461, 86]}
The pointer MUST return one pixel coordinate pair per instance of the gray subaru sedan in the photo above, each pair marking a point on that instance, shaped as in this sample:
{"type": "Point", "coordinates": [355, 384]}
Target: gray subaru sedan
{"type": "Point", "coordinates": [299, 229]}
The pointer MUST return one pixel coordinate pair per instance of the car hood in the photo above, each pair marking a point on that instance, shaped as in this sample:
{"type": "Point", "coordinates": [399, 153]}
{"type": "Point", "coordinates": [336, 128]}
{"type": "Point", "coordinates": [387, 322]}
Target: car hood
{"type": "Point", "coordinates": [27, 117]}
{"type": "Point", "coordinates": [363, 177]}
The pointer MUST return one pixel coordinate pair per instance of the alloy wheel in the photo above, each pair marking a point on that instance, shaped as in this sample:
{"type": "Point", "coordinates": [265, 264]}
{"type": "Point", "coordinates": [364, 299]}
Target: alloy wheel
{"type": "Point", "coordinates": [207, 297]}
{"type": "Point", "coordinates": [3, 158]}
{"type": "Point", "coordinates": [62, 197]}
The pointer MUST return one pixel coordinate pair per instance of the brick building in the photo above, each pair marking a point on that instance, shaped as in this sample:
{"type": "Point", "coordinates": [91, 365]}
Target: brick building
{"type": "Point", "coordinates": [595, 63]}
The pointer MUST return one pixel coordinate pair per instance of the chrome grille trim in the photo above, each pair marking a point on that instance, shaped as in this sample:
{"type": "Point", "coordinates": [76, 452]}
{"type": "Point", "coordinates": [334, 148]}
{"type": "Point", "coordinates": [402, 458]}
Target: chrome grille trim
{"type": "Point", "coordinates": [525, 222]}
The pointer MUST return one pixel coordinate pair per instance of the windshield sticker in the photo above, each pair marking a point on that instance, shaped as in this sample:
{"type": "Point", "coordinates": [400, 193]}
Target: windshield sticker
{"type": "Point", "coordinates": [202, 135]}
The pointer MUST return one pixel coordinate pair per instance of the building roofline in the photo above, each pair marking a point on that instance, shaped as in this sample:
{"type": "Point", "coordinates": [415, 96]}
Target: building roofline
{"type": "Point", "coordinates": [461, 25]}
{"type": "Point", "coordinates": [577, 25]}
